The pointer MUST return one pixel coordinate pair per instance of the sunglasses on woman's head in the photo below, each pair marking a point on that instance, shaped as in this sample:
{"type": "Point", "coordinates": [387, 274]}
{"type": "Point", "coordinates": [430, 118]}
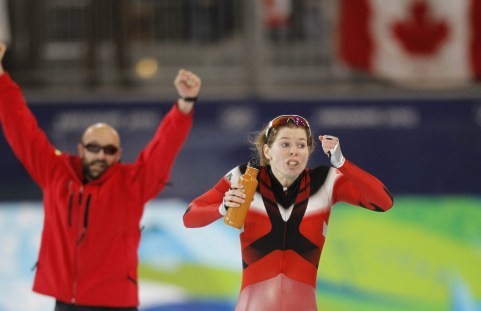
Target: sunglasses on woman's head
{"type": "Point", "coordinates": [108, 150]}
{"type": "Point", "coordinates": [285, 120]}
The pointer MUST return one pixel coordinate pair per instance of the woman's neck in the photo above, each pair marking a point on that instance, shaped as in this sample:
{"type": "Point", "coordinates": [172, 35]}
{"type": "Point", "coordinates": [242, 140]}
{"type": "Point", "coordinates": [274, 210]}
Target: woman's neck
{"type": "Point", "coordinates": [285, 182]}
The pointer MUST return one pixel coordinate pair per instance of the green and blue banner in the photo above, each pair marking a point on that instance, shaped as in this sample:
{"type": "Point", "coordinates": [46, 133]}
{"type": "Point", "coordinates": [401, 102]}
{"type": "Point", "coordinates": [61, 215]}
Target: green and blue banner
{"type": "Point", "coordinates": [422, 255]}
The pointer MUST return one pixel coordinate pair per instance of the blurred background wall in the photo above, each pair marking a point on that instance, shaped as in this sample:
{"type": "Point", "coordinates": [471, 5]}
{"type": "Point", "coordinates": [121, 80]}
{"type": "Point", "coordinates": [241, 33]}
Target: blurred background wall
{"type": "Point", "coordinates": [397, 82]}
{"type": "Point", "coordinates": [412, 123]}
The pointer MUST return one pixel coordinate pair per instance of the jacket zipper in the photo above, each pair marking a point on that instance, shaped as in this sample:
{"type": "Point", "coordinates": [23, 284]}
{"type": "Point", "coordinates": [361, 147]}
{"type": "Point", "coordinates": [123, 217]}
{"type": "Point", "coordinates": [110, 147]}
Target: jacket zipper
{"type": "Point", "coordinates": [75, 280]}
{"type": "Point", "coordinates": [86, 220]}
{"type": "Point", "coordinates": [70, 203]}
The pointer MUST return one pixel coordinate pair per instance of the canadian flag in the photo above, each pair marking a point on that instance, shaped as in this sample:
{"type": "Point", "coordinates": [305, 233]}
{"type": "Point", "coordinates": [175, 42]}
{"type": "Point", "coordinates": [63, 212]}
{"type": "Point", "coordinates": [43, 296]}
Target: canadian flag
{"type": "Point", "coordinates": [423, 43]}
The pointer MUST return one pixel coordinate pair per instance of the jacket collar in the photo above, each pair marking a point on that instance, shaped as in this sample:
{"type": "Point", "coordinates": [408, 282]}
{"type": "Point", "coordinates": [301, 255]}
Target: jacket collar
{"type": "Point", "coordinates": [76, 167]}
{"type": "Point", "coordinates": [285, 197]}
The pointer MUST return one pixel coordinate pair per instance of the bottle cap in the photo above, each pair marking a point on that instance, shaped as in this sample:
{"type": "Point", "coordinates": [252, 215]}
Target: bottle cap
{"type": "Point", "coordinates": [254, 162]}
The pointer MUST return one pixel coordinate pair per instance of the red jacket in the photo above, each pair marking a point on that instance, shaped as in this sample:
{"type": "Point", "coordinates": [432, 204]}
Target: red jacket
{"type": "Point", "coordinates": [90, 238]}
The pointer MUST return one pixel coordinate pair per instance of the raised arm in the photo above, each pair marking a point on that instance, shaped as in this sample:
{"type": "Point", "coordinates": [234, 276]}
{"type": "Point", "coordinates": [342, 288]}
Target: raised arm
{"type": "Point", "coordinates": [27, 140]}
{"type": "Point", "coordinates": [155, 162]}
{"type": "Point", "coordinates": [188, 87]}
{"type": "Point", "coordinates": [360, 188]}
{"type": "Point", "coordinates": [355, 186]}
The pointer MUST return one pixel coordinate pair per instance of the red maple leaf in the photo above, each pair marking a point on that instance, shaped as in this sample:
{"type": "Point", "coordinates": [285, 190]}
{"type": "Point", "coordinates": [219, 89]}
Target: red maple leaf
{"type": "Point", "coordinates": [421, 34]}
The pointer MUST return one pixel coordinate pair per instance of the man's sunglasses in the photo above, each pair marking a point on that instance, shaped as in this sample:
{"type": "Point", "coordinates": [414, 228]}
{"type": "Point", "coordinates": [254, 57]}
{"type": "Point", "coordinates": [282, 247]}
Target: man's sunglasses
{"type": "Point", "coordinates": [108, 150]}
{"type": "Point", "coordinates": [285, 120]}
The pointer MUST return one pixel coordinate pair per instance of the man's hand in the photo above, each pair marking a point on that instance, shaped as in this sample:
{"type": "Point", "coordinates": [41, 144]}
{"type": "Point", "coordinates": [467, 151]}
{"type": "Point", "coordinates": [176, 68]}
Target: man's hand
{"type": "Point", "coordinates": [332, 148]}
{"type": "Point", "coordinates": [188, 86]}
{"type": "Point", "coordinates": [3, 49]}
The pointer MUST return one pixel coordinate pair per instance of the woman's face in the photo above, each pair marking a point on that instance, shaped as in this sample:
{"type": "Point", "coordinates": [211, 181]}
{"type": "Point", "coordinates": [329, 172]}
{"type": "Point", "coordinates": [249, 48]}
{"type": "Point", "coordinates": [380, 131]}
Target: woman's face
{"type": "Point", "coordinates": [288, 154]}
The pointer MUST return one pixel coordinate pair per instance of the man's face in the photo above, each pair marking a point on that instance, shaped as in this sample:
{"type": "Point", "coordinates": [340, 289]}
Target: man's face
{"type": "Point", "coordinates": [99, 149]}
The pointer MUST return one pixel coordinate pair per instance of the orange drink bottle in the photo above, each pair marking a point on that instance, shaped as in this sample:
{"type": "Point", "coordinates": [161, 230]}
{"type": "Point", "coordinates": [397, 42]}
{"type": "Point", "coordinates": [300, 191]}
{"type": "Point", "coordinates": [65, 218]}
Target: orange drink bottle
{"type": "Point", "coordinates": [235, 215]}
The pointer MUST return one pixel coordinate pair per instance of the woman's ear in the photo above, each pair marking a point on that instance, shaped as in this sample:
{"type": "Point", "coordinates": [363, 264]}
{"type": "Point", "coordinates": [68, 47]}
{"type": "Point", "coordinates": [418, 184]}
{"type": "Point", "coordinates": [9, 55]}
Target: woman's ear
{"type": "Point", "coordinates": [267, 152]}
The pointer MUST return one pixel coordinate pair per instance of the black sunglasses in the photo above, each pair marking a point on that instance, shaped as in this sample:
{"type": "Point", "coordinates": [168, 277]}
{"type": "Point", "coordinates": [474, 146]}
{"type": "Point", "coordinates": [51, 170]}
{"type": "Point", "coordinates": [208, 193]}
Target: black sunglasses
{"type": "Point", "coordinates": [108, 150]}
{"type": "Point", "coordinates": [285, 120]}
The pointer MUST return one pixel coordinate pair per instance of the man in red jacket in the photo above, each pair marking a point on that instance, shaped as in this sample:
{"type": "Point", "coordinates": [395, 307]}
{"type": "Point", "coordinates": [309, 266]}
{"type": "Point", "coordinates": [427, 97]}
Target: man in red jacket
{"type": "Point", "coordinates": [93, 203]}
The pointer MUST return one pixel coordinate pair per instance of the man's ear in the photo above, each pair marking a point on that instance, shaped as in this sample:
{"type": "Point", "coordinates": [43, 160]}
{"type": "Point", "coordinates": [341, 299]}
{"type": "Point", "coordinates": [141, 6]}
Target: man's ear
{"type": "Point", "coordinates": [80, 150]}
{"type": "Point", "coordinates": [119, 154]}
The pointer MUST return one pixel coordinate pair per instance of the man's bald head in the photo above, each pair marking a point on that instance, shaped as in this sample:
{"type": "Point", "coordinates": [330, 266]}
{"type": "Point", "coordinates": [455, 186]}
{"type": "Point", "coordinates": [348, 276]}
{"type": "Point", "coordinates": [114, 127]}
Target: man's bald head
{"type": "Point", "coordinates": [101, 133]}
